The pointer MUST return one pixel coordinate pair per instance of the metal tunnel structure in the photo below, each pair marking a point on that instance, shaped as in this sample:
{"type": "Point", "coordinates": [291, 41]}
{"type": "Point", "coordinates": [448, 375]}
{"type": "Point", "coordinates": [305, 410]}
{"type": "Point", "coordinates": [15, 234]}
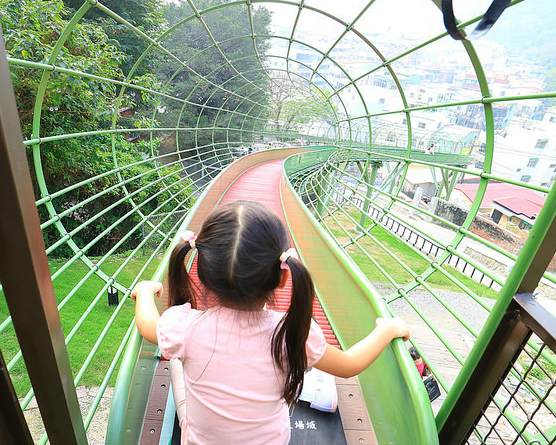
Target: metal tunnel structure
{"type": "Point", "coordinates": [110, 150]}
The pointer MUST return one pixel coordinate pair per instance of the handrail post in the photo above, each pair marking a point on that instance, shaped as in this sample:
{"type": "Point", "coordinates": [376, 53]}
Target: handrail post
{"type": "Point", "coordinates": [495, 363]}
{"type": "Point", "coordinates": [28, 288]}
{"type": "Point", "coordinates": [524, 317]}
{"type": "Point", "coordinates": [13, 428]}
{"type": "Point", "coordinates": [375, 165]}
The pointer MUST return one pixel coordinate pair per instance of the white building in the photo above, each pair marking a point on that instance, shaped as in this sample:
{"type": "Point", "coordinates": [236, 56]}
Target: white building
{"type": "Point", "coordinates": [528, 154]}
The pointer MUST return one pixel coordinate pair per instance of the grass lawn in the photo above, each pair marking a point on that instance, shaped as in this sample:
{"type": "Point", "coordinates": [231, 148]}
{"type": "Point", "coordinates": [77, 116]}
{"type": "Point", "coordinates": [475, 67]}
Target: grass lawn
{"type": "Point", "coordinates": [399, 250]}
{"type": "Point", "coordinates": [86, 336]}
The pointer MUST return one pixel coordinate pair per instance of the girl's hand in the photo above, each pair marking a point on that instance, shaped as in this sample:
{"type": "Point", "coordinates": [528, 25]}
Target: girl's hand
{"type": "Point", "coordinates": [144, 288]}
{"type": "Point", "coordinates": [146, 313]}
{"type": "Point", "coordinates": [396, 327]}
{"type": "Point", "coordinates": [363, 353]}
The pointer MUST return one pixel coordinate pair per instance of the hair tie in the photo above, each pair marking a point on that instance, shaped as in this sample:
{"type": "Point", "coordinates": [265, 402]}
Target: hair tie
{"type": "Point", "coordinates": [291, 252]}
{"type": "Point", "coordinates": [190, 237]}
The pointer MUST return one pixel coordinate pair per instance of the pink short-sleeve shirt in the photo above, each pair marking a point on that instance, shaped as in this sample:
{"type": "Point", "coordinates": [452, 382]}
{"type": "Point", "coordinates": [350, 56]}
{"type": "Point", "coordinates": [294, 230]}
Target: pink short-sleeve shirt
{"type": "Point", "coordinates": [232, 385]}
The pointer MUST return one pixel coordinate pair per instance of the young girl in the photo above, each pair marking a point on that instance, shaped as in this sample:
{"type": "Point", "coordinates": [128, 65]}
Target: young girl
{"type": "Point", "coordinates": [243, 364]}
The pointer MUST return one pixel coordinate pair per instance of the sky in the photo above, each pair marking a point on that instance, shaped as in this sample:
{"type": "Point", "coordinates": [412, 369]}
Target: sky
{"type": "Point", "coordinates": [419, 18]}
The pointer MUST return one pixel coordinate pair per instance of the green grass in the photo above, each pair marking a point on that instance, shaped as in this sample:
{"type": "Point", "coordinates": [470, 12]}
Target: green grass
{"type": "Point", "coordinates": [401, 251]}
{"type": "Point", "coordinates": [88, 333]}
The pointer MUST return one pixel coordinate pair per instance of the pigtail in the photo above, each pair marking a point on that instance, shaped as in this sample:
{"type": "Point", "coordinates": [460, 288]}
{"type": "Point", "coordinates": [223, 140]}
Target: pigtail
{"type": "Point", "coordinates": [180, 286]}
{"type": "Point", "coordinates": [288, 343]}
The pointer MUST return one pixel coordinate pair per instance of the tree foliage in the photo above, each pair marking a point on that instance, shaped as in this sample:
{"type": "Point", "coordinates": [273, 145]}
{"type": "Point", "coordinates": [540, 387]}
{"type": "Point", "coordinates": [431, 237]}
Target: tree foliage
{"type": "Point", "coordinates": [205, 74]}
{"type": "Point", "coordinates": [145, 15]}
{"type": "Point", "coordinates": [31, 30]}
{"type": "Point", "coordinates": [74, 104]}
{"type": "Point", "coordinates": [295, 105]}
{"type": "Point", "coordinates": [209, 81]}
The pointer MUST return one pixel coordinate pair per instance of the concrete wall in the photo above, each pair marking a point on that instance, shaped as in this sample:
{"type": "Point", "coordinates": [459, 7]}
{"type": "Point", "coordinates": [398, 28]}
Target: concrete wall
{"type": "Point", "coordinates": [448, 211]}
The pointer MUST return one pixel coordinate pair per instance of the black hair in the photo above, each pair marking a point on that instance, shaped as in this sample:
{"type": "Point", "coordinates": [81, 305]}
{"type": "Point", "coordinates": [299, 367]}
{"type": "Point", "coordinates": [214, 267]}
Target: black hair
{"type": "Point", "coordinates": [414, 354]}
{"type": "Point", "coordinates": [239, 247]}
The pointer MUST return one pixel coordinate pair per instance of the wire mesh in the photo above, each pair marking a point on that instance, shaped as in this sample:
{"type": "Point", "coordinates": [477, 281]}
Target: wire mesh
{"type": "Point", "coordinates": [523, 408]}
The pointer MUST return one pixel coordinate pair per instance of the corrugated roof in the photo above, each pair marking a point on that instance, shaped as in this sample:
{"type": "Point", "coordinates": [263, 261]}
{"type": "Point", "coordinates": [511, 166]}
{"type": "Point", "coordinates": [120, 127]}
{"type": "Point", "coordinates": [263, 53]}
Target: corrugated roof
{"type": "Point", "coordinates": [519, 200]}
{"type": "Point", "coordinates": [520, 206]}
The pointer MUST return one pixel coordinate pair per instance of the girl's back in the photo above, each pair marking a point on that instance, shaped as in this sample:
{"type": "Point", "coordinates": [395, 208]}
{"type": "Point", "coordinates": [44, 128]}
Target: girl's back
{"type": "Point", "coordinates": [233, 388]}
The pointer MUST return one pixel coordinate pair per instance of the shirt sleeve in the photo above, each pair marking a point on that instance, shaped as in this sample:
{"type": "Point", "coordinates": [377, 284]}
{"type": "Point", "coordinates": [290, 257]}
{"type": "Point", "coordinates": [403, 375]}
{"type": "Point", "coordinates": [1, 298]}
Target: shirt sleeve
{"type": "Point", "coordinates": [170, 330]}
{"type": "Point", "coordinates": [315, 345]}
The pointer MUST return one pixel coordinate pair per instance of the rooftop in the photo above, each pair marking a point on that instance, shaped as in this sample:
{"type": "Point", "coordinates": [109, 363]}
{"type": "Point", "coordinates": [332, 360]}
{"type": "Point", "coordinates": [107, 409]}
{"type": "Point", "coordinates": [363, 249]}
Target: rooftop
{"type": "Point", "coordinates": [519, 200]}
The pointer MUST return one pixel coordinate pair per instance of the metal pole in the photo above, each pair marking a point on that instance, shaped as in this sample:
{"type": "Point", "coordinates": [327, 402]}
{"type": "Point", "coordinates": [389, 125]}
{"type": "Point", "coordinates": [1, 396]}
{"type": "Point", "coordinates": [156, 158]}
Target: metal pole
{"type": "Point", "coordinates": [28, 288]}
{"type": "Point", "coordinates": [13, 428]}
{"type": "Point", "coordinates": [375, 165]}
{"type": "Point", "coordinates": [524, 278]}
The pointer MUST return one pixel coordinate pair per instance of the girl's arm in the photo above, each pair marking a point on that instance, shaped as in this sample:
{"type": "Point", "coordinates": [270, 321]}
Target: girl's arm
{"type": "Point", "coordinates": [357, 358]}
{"type": "Point", "coordinates": [146, 313]}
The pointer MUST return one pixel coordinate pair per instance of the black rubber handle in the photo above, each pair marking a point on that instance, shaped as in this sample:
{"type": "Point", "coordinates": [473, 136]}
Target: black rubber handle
{"type": "Point", "coordinates": [494, 11]}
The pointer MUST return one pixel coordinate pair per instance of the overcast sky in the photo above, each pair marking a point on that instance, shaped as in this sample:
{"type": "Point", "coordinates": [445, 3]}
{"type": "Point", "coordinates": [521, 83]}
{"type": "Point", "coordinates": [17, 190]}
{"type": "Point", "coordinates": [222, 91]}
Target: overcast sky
{"type": "Point", "coordinates": [415, 18]}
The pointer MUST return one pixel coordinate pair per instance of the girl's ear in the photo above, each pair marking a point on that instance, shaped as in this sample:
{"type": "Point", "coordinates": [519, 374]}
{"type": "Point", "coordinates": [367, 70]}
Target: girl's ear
{"type": "Point", "coordinates": [284, 278]}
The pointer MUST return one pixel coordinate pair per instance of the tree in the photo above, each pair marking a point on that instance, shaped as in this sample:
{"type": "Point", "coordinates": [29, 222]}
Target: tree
{"type": "Point", "coordinates": [71, 103]}
{"type": "Point", "coordinates": [217, 96]}
{"type": "Point", "coordinates": [75, 104]}
{"type": "Point", "coordinates": [295, 105]}
{"type": "Point", "coordinates": [146, 15]}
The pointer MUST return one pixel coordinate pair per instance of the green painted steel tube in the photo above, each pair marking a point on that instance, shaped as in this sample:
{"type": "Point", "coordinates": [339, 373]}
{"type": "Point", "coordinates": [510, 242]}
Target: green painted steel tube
{"type": "Point", "coordinates": [523, 262]}
{"type": "Point", "coordinates": [55, 68]}
{"type": "Point", "coordinates": [109, 372]}
{"type": "Point", "coordinates": [445, 246]}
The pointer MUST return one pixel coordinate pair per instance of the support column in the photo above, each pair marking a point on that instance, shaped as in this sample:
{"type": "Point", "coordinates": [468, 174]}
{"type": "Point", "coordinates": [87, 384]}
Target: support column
{"type": "Point", "coordinates": [375, 165]}
{"type": "Point", "coordinates": [455, 178]}
{"type": "Point", "coordinates": [13, 427]}
{"type": "Point", "coordinates": [28, 288]}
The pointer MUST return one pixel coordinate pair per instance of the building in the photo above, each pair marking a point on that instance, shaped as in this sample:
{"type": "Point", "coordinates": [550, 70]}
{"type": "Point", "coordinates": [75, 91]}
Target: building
{"type": "Point", "coordinates": [506, 204]}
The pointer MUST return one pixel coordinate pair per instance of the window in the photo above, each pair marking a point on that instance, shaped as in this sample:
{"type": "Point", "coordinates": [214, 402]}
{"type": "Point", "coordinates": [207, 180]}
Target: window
{"type": "Point", "coordinates": [552, 119]}
{"type": "Point", "coordinates": [404, 121]}
{"type": "Point", "coordinates": [381, 100]}
{"type": "Point", "coordinates": [525, 178]}
{"type": "Point", "coordinates": [552, 166]}
{"type": "Point", "coordinates": [533, 162]}
{"type": "Point", "coordinates": [541, 143]}
{"type": "Point", "coordinates": [421, 125]}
